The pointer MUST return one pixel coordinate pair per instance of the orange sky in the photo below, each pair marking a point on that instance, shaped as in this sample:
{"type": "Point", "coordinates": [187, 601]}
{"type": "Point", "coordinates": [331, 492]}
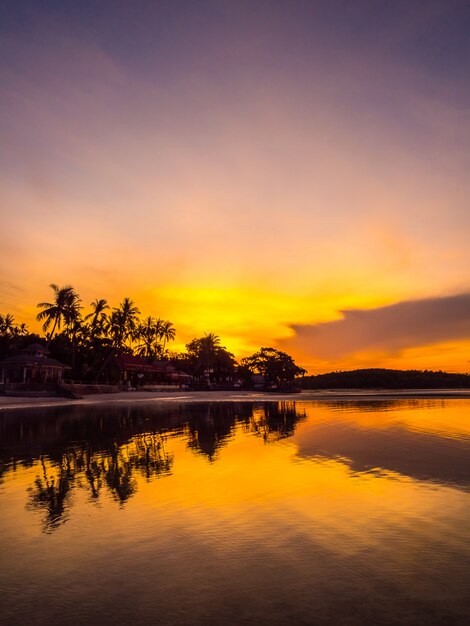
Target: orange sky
{"type": "Point", "coordinates": [241, 175]}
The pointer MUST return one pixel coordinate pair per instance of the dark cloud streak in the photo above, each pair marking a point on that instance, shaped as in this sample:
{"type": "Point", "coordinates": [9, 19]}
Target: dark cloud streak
{"type": "Point", "coordinates": [388, 329]}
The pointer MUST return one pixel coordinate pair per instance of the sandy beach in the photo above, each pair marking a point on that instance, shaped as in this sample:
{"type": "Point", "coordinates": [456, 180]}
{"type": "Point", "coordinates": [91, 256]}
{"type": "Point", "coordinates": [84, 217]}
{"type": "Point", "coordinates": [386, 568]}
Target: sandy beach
{"type": "Point", "coordinates": [132, 397]}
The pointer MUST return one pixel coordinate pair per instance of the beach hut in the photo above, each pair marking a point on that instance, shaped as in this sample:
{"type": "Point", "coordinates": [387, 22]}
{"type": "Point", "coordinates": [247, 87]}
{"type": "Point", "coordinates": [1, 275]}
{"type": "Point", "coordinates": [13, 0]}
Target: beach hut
{"type": "Point", "coordinates": [31, 365]}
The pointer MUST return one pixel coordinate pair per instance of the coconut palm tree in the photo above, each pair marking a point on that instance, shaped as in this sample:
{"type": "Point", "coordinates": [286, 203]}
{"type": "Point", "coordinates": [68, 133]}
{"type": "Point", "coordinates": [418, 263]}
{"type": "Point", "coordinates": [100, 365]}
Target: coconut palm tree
{"type": "Point", "coordinates": [64, 309]}
{"type": "Point", "coordinates": [203, 354]}
{"type": "Point", "coordinates": [167, 333]}
{"type": "Point", "coordinates": [120, 326]}
{"type": "Point", "coordinates": [7, 324]}
{"type": "Point", "coordinates": [123, 322]}
{"type": "Point", "coordinates": [148, 332]}
{"type": "Point", "coordinates": [98, 317]}
{"type": "Point", "coordinates": [22, 329]}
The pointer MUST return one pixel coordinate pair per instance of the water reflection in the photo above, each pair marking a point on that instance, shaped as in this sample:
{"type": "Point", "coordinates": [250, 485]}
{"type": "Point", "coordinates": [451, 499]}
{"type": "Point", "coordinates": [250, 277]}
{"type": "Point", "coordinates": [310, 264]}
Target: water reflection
{"type": "Point", "coordinates": [108, 449]}
{"type": "Point", "coordinates": [273, 424]}
{"type": "Point", "coordinates": [50, 493]}
{"type": "Point", "coordinates": [420, 455]}
{"type": "Point", "coordinates": [265, 513]}
{"type": "Point", "coordinates": [115, 470]}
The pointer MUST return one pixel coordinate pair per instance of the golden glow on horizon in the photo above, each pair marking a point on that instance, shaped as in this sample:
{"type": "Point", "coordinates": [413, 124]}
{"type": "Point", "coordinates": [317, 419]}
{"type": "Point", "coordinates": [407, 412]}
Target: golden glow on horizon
{"type": "Point", "coordinates": [248, 318]}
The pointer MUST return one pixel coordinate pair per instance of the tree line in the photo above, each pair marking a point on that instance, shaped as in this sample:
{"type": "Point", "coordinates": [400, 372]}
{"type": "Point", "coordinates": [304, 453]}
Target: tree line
{"type": "Point", "coordinates": [379, 378]}
{"type": "Point", "coordinates": [91, 343]}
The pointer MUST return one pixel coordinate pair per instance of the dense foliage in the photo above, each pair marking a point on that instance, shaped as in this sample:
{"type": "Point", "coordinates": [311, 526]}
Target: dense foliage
{"type": "Point", "coordinates": [277, 368]}
{"type": "Point", "coordinates": [207, 361]}
{"type": "Point", "coordinates": [91, 344]}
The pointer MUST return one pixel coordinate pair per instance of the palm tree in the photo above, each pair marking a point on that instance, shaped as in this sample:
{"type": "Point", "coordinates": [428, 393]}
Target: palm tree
{"type": "Point", "coordinates": [98, 317]}
{"type": "Point", "coordinates": [124, 321]}
{"type": "Point", "coordinates": [167, 333]}
{"type": "Point", "coordinates": [210, 341]}
{"type": "Point", "coordinates": [149, 334]}
{"type": "Point", "coordinates": [7, 324]}
{"type": "Point", "coordinates": [77, 333]}
{"type": "Point", "coordinates": [203, 353]}
{"type": "Point", "coordinates": [65, 308]}
{"type": "Point", "coordinates": [22, 329]}
{"type": "Point", "coordinates": [120, 326]}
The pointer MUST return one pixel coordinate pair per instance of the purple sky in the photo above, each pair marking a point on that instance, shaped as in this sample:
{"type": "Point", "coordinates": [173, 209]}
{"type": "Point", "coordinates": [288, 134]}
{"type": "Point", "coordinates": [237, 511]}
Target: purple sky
{"type": "Point", "coordinates": [244, 168]}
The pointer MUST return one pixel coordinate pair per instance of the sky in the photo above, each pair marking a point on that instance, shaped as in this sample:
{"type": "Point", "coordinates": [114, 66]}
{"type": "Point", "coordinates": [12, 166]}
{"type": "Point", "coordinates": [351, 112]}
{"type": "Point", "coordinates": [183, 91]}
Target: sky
{"type": "Point", "coordinates": [287, 174]}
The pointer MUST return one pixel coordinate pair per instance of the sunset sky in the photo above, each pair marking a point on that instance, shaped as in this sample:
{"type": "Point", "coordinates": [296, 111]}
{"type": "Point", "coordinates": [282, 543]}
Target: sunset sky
{"type": "Point", "coordinates": [288, 174]}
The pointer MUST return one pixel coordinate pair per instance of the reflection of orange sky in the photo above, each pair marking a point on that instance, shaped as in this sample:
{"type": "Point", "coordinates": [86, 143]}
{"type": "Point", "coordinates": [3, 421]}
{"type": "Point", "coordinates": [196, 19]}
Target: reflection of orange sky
{"type": "Point", "coordinates": [252, 486]}
{"type": "Point", "coordinates": [447, 418]}
{"type": "Point", "coordinates": [249, 477]}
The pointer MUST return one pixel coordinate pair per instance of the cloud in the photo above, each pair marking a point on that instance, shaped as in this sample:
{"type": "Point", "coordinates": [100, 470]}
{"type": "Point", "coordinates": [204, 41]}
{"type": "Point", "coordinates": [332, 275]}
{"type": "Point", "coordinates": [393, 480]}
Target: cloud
{"type": "Point", "coordinates": [387, 329]}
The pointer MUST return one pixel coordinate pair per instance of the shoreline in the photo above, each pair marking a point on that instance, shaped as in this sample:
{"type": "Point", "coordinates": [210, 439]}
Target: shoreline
{"type": "Point", "coordinates": [162, 397]}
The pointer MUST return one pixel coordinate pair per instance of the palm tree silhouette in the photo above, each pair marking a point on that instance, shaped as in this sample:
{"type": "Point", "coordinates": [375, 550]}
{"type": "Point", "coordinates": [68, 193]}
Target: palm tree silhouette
{"type": "Point", "coordinates": [98, 317]}
{"type": "Point", "coordinates": [148, 332]}
{"type": "Point", "coordinates": [7, 324]}
{"type": "Point", "coordinates": [64, 309]}
{"type": "Point", "coordinates": [123, 323]}
{"type": "Point", "coordinates": [167, 333]}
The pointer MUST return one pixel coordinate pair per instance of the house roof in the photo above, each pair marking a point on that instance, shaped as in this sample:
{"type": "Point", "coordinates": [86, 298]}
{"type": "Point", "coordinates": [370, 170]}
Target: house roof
{"type": "Point", "coordinates": [30, 360]}
{"type": "Point", "coordinates": [135, 363]}
{"type": "Point", "coordinates": [34, 347]}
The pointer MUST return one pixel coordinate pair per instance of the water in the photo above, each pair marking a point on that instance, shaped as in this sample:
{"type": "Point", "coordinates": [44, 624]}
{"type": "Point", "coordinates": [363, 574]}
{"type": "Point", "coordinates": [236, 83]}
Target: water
{"type": "Point", "coordinates": [236, 513]}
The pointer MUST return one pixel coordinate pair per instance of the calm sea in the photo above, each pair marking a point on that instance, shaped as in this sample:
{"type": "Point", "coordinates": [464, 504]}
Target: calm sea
{"type": "Point", "coordinates": [236, 513]}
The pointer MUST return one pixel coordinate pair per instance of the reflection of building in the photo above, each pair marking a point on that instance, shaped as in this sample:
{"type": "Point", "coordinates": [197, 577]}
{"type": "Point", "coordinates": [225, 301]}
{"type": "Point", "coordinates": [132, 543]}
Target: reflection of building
{"type": "Point", "coordinates": [31, 365]}
{"type": "Point", "coordinates": [138, 371]}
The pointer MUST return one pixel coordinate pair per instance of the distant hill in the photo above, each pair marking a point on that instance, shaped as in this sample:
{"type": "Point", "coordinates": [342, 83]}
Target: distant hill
{"type": "Point", "coordinates": [386, 379]}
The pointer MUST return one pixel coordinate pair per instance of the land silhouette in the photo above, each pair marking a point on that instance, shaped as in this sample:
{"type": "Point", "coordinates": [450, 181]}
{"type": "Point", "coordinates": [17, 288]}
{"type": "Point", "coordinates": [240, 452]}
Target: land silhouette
{"type": "Point", "coordinates": [377, 378]}
{"type": "Point", "coordinates": [93, 345]}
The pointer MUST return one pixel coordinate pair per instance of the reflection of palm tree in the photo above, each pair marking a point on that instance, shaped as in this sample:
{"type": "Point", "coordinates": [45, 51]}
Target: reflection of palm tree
{"type": "Point", "coordinates": [93, 474]}
{"type": "Point", "coordinates": [211, 428]}
{"type": "Point", "coordinates": [275, 421]}
{"type": "Point", "coordinates": [50, 494]}
{"type": "Point", "coordinates": [118, 475]}
{"type": "Point", "coordinates": [65, 308]}
{"type": "Point", "coordinates": [151, 457]}
{"type": "Point", "coordinates": [104, 462]}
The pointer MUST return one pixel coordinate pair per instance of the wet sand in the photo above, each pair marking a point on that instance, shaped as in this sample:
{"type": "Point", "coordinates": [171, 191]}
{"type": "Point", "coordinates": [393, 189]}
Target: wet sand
{"type": "Point", "coordinates": [162, 397]}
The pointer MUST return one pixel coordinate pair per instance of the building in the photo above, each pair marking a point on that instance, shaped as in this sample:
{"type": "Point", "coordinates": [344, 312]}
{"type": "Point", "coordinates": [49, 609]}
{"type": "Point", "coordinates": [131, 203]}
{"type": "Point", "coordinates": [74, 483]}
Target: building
{"type": "Point", "coordinates": [136, 371]}
{"type": "Point", "coordinates": [31, 365]}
